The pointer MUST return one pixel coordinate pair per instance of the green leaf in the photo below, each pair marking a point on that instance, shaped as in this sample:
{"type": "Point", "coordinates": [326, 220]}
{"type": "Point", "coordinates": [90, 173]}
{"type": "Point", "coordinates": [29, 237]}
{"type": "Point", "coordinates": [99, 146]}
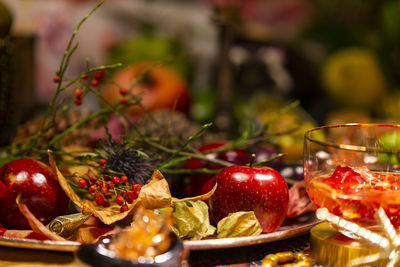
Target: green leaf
{"type": "Point", "coordinates": [242, 223]}
{"type": "Point", "coordinates": [191, 220]}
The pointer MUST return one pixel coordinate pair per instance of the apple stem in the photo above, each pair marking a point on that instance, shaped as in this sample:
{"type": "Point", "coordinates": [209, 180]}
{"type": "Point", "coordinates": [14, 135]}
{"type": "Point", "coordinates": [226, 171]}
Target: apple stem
{"type": "Point", "coordinates": [252, 157]}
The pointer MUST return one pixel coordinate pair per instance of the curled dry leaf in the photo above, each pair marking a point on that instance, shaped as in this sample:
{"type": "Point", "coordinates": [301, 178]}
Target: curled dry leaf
{"type": "Point", "coordinates": [155, 194]}
{"type": "Point", "coordinates": [195, 198]}
{"type": "Point", "coordinates": [299, 203]}
{"type": "Point", "coordinates": [242, 223]}
{"type": "Point", "coordinates": [35, 224]}
{"type": "Point", "coordinates": [63, 182]}
{"type": "Point", "coordinates": [28, 234]}
{"type": "Point", "coordinates": [17, 233]}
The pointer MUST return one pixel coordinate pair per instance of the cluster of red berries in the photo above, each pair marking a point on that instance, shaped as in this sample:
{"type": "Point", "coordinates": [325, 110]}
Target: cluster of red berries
{"type": "Point", "coordinates": [78, 97]}
{"type": "Point", "coordinates": [103, 189]}
{"type": "Point", "coordinates": [123, 92]}
{"type": "Point", "coordinates": [98, 75]}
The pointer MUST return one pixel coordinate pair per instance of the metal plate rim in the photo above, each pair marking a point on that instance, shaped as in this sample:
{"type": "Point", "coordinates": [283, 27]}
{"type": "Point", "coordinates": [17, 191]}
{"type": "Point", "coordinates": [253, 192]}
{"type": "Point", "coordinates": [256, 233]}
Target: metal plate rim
{"type": "Point", "coordinates": [231, 242]}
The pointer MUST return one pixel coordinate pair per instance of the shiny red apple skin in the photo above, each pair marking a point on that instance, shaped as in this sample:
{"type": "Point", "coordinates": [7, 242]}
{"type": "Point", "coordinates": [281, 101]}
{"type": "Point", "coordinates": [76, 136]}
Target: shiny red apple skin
{"type": "Point", "coordinates": [195, 182]}
{"type": "Point", "coordinates": [259, 189]}
{"type": "Point", "coordinates": [39, 189]}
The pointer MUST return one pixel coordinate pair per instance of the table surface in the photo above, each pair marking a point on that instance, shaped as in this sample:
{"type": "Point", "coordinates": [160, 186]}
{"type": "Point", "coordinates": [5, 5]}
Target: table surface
{"type": "Point", "coordinates": [10, 256]}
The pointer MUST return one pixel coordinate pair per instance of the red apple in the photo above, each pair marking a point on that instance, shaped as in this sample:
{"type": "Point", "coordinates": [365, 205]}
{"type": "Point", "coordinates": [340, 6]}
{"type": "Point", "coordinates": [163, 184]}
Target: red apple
{"type": "Point", "coordinates": [39, 189]}
{"type": "Point", "coordinates": [195, 182]}
{"type": "Point", "coordinates": [259, 189]}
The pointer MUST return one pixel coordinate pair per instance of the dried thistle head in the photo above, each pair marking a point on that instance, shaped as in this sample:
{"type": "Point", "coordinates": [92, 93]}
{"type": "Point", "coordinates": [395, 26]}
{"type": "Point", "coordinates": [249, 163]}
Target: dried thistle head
{"type": "Point", "coordinates": [133, 163]}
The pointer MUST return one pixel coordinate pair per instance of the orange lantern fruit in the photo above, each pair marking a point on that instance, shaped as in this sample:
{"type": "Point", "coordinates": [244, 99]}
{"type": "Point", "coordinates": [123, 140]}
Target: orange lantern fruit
{"type": "Point", "coordinates": [162, 87]}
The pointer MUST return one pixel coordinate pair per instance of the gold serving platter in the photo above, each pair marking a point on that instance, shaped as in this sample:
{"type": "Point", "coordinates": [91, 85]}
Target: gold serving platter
{"type": "Point", "coordinates": [290, 228]}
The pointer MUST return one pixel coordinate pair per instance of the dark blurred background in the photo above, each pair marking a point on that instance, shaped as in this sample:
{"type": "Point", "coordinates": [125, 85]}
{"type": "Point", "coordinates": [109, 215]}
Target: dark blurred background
{"type": "Point", "coordinates": [240, 60]}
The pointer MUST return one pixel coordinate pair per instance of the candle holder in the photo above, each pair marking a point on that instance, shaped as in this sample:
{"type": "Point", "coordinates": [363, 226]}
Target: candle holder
{"type": "Point", "coordinates": [226, 18]}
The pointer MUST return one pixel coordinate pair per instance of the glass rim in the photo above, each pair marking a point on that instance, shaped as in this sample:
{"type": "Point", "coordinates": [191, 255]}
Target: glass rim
{"type": "Point", "coordinates": [356, 148]}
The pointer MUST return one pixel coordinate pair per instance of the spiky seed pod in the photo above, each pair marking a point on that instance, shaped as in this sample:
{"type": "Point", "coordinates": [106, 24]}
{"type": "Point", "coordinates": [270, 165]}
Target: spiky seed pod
{"type": "Point", "coordinates": [128, 161]}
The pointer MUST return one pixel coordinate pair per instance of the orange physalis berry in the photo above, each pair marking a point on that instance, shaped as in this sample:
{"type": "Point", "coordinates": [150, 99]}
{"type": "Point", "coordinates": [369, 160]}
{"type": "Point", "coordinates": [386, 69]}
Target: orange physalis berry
{"type": "Point", "coordinates": [124, 208]}
{"type": "Point", "coordinates": [82, 183]}
{"type": "Point", "coordinates": [119, 200]}
{"type": "Point", "coordinates": [78, 93]}
{"type": "Point", "coordinates": [136, 187]}
{"type": "Point", "coordinates": [92, 189]}
{"type": "Point", "coordinates": [99, 199]}
{"type": "Point", "coordinates": [130, 197]}
{"type": "Point", "coordinates": [115, 180]}
{"type": "Point", "coordinates": [95, 83]}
